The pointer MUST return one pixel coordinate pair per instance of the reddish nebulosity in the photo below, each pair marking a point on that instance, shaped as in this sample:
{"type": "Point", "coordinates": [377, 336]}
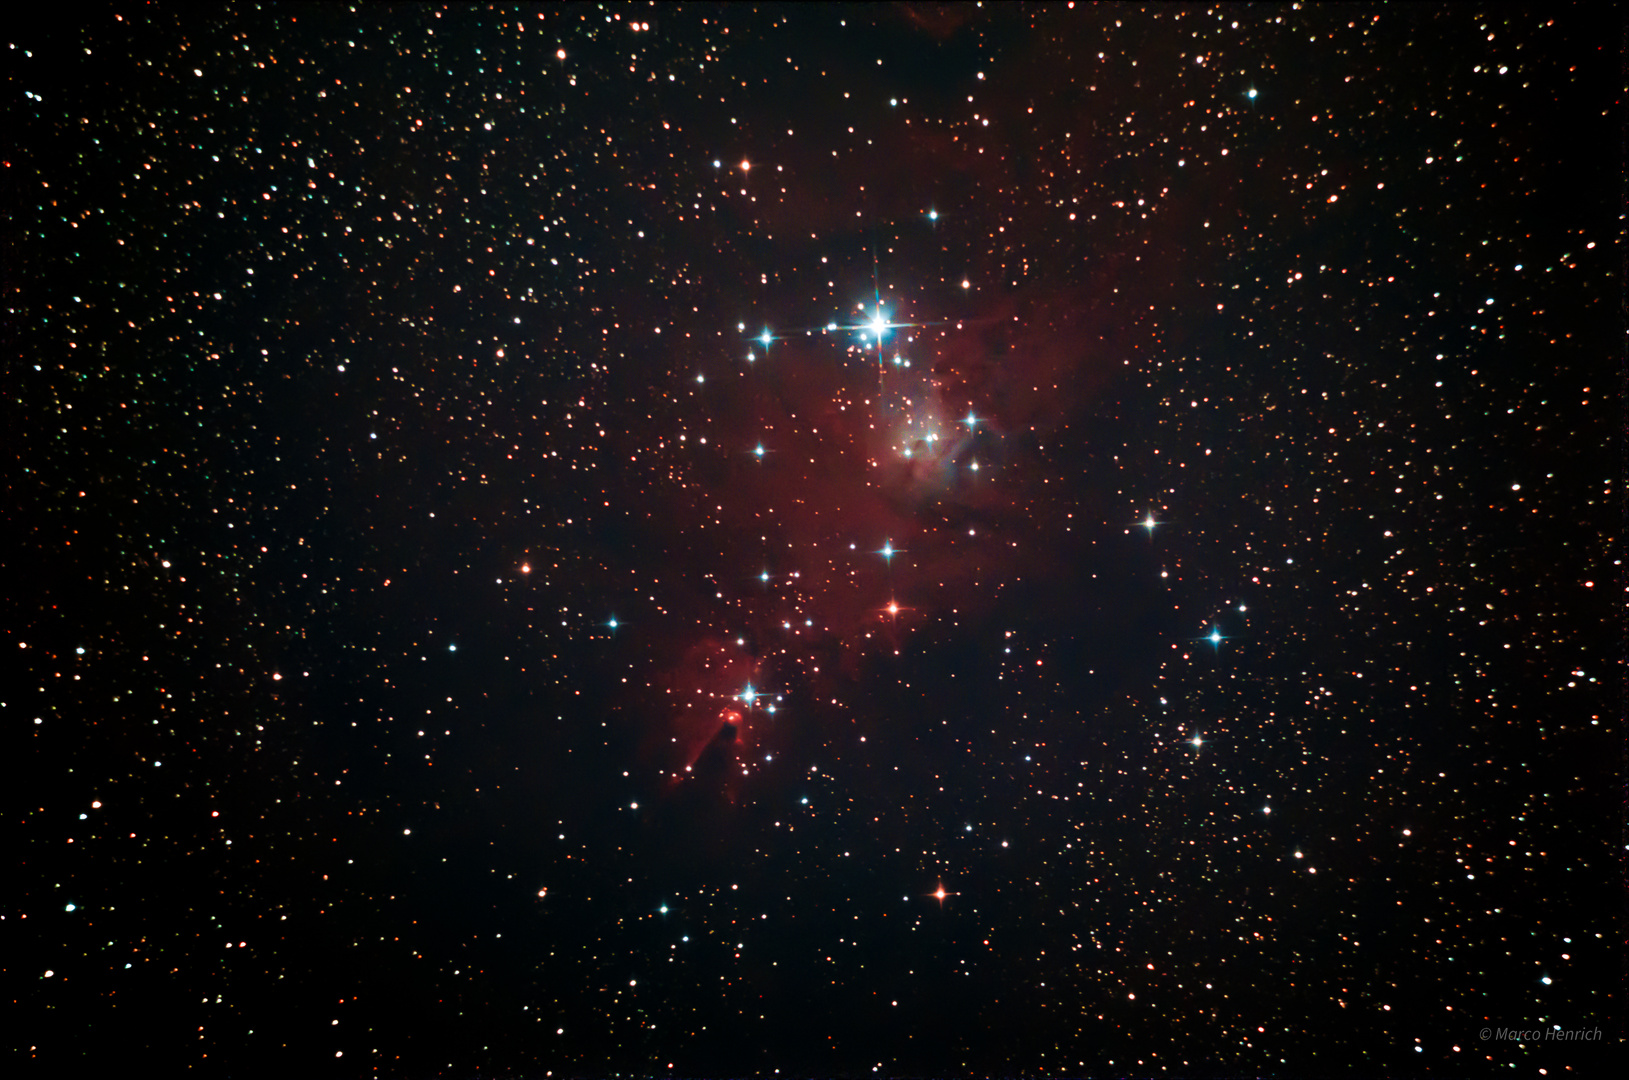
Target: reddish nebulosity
{"type": "Point", "coordinates": [849, 465]}
{"type": "Point", "coordinates": [703, 723]}
{"type": "Point", "coordinates": [952, 440]}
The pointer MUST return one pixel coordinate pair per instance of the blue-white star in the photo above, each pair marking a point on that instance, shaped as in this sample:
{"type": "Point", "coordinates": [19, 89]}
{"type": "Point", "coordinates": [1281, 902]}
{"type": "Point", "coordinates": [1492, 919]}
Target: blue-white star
{"type": "Point", "coordinates": [879, 324]}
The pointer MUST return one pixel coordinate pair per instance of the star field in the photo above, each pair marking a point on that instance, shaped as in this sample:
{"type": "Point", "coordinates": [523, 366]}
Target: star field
{"type": "Point", "coordinates": [815, 539]}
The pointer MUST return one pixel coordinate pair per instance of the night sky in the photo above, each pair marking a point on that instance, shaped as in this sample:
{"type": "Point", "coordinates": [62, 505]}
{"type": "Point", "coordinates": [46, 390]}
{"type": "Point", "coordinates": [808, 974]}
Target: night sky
{"type": "Point", "coordinates": [847, 540]}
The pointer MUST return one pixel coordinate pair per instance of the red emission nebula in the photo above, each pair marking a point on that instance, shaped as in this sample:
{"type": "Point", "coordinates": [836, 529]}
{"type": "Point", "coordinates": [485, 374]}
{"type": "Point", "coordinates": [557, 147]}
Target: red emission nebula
{"type": "Point", "coordinates": [851, 497]}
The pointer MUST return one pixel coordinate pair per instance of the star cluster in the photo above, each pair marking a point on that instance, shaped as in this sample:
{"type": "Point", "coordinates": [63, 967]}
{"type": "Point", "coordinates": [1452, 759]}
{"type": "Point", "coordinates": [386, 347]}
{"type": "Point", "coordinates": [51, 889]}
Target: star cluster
{"type": "Point", "coordinates": [839, 540]}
